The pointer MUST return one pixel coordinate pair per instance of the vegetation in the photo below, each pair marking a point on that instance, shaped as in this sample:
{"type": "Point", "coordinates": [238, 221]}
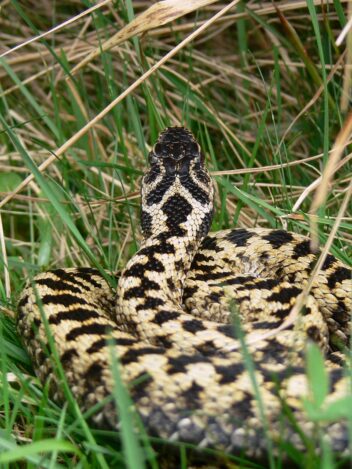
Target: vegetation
{"type": "Point", "coordinates": [264, 87]}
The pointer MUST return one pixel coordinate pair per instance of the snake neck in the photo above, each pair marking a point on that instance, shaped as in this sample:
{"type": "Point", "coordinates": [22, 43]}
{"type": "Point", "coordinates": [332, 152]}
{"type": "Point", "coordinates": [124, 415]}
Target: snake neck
{"type": "Point", "coordinates": [177, 205]}
{"type": "Point", "coordinates": [156, 274]}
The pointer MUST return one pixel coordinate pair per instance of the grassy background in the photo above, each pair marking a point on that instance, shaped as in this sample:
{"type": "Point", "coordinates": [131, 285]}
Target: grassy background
{"type": "Point", "coordinates": [263, 89]}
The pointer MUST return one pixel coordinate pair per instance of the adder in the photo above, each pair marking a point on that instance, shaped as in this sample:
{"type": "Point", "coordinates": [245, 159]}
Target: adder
{"type": "Point", "coordinates": [185, 303]}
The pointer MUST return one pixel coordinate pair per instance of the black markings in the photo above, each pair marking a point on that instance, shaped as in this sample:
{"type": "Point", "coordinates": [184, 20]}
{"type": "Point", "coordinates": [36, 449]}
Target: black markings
{"type": "Point", "coordinates": [84, 273]}
{"type": "Point", "coordinates": [336, 358]}
{"type": "Point", "coordinates": [93, 375]}
{"type": "Point", "coordinates": [340, 274]}
{"type": "Point", "coordinates": [199, 257]}
{"type": "Point", "coordinates": [213, 276]}
{"type": "Point", "coordinates": [146, 223]}
{"type": "Point", "coordinates": [193, 326]}
{"type": "Point", "coordinates": [278, 238]}
{"type": "Point", "coordinates": [197, 192]}
{"type": "Point", "coordinates": [214, 297]}
{"type": "Point", "coordinates": [64, 299]}
{"type": "Point", "coordinates": [274, 352]}
{"type": "Point", "coordinates": [282, 313]}
{"type": "Point", "coordinates": [239, 237]}
{"type": "Point", "coordinates": [278, 376]}
{"type": "Point", "coordinates": [205, 268]}
{"type": "Point", "coordinates": [188, 292]}
{"type": "Point", "coordinates": [92, 329]}
{"type": "Point", "coordinates": [229, 373]}
{"type": "Point", "coordinates": [341, 309]}
{"type": "Point", "coordinates": [192, 396]}
{"type": "Point", "coordinates": [242, 410]}
{"type": "Point", "coordinates": [139, 292]}
{"type": "Point", "coordinates": [177, 209]}
{"type": "Point", "coordinates": [209, 349]}
{"type": "Point", "coordinates": [155, 196]}
{"type": "Point", "coordinates": [329, 261]}
{"type": "Point", "coordinates": [314, 333]}
{"type": "Point", "coordinates": [285, 294]}
{"type": "Point", "coordinates": [179, 265]}
{"type": "Point", "coordinates": [266, 324]}
{"type": "Point", "coordinates": [57, 285]}
{"type": "Point", "coordinates": [164, 316]}
{"type": "Point", "coordinates": [301, 249]}
{"type": "Point", "coordinates": [138, 269]}
{"type": "Point", "coordinates": [79, 314]}
{"type": "Point", "coordinates": [205, 225]}
{"type": "Point", "coordinates": [132, 355]}
{"type": "Point", "coordinates": [162, 248]}
{"type": "Point", "coordinates": [23, 301]}
{"type": "Point", "coordinates": [67, 357]}
{"type": "Point", "coordinates": [97, 346]}
{"type": "Point", "coordinates": [335, 376]}
{"type": "Point", "coordinates": [101, 343]}
{"type": "Point", "coordinates": [179, 364]}
{"type": "Point", "coordinates": [210, 244]}
{"type": "Point", "coordinates": [265, 284]}
{"type": "Point", "coordinates": [152, 174]}
{"type": "Point", "coordinates": [227, 329]}
{"type": "Point", "coordinates": [139, 388]}
{"type": "Point", "coordinates": [150, 303]}
{"type": "Point", "coordinates": [170, 284]}
{"type": "Point", "coordinates": [125, 341]}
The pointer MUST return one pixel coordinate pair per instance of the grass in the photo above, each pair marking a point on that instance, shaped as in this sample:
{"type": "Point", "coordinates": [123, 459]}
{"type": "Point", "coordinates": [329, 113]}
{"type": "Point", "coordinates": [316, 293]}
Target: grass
{"type": "Point", "coordinates": [260, 87]}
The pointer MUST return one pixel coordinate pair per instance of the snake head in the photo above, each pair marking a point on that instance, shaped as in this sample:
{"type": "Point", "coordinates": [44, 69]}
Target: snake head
{"type": "Point", "coordinates": [174, 150]}
{"type": "Point", "coordinates": [177, 187]}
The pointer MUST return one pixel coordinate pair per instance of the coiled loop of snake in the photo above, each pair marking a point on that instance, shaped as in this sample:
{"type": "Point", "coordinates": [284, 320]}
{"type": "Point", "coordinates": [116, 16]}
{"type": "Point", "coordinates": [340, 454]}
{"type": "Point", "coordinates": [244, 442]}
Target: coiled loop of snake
{"type": "Point", "coordinates": [171, 319]}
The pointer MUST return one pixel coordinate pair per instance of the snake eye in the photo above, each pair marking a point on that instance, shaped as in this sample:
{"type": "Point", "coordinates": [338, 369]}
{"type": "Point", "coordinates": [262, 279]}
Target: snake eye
{"type": "Point", "coordinates": [157, 149]}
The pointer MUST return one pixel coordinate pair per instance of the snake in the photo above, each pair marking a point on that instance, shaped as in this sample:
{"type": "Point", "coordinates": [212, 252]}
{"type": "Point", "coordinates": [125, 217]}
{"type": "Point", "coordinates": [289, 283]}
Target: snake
{"type": "Point", "coordinates": [178, 322]}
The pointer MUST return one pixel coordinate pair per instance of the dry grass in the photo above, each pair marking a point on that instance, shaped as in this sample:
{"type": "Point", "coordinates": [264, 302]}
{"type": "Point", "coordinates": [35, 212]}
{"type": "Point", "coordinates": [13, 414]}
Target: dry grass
{"type": "Point", "coordinates": [263, 86]}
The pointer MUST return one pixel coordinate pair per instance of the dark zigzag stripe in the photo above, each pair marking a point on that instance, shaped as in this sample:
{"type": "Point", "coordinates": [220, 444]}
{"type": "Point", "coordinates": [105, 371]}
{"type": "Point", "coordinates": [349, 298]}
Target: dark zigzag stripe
{"type": "Point", "coordinates": [340, 274]}
{"type": "Point", "coordinates": [101, 343]}
{"type": "Point", "coordinates": [165, 316]}
{"type": "Point", "coordinates": [139, 292]}
{"type": "Point", "coordinates": [156, 195]}
{"type": "Point", "coordinates": [91, 329]}
{"type": "Point", "coordinates": [138, 269]}
{"type": "Point", "coordinates": [278, 238]}
{"type": "Point", "coordinates": [197, 192]}
{"type": "Point", "coordinates": [132, 355]}
{"type": "Point", "coordinates": [239, 237]}
{"type": "Point", "coordinates": [67, 357]}
{"type": "Point", "coordinates": [87, 277]}
{"type": "Point", "coordinates": [78, 314]}
{"type": "Point", "coordinates": [23, 302]}
{"type": "Point", "coordinates": [57, 285]}
{"type": "Point", "coordinates": [83, 273]}
{"type": "Point", "coordinates": [150, 303]}
{"type": "Point", "coordinates": [64, 299]}
{"type": "Point", "coordinates": [285, 295]}
{"type": "Point", "coordinates": [213, 276]}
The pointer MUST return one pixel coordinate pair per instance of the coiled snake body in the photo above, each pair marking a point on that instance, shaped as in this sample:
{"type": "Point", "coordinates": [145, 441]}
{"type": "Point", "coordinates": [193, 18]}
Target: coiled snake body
{"type": "Point", "coordinates": [172, 319]}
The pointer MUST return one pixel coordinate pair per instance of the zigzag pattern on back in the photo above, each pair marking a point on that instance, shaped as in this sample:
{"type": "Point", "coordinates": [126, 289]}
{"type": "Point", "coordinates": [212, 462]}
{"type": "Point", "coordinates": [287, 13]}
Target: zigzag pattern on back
{"type": "Point", "coordinates": [172, 319]}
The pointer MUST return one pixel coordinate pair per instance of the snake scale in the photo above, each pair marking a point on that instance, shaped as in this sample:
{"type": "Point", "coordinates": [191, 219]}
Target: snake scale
{"type": "Point", "coordinates": [172, 320]}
